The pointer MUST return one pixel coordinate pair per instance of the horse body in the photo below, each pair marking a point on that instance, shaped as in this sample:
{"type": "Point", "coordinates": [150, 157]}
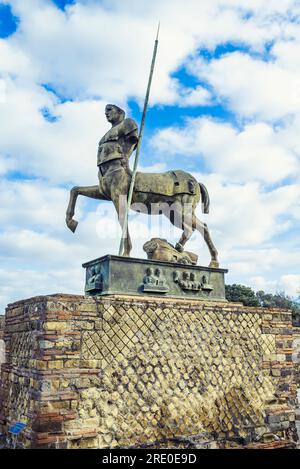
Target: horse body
{"type": "Point", "coordinates": [174, 194]}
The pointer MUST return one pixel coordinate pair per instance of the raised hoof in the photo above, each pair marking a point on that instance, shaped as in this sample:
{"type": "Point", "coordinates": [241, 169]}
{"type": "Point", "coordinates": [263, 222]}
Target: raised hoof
{"type": "Point", "coordinates": [214, 264]}
{"type": "Point", "coordinates": [72, 225]}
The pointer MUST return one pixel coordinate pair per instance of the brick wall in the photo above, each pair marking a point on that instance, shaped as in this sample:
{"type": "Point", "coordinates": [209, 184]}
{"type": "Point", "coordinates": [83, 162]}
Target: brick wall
{"type": "Point", "coordinates": [128, 371]}
{"type": "Point", "coordinates": [296, 359]}
{"type": "Point", "coordinates": [2, 318]}
{"type": "Point", "coordinates": [2, 345]}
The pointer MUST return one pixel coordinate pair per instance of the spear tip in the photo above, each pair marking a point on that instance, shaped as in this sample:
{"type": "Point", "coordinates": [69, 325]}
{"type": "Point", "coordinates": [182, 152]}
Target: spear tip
{"type": "Point", "coordinates": [158, 31]}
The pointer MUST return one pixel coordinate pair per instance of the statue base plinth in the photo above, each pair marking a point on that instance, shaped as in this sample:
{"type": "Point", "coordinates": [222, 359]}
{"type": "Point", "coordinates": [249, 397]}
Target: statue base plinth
{"type": "Point", "coordinates": [126, 275]}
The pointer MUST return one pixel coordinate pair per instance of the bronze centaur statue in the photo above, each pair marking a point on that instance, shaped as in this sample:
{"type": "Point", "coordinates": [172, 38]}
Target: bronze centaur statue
{"type": "Point", "coordinates": [175, 194]}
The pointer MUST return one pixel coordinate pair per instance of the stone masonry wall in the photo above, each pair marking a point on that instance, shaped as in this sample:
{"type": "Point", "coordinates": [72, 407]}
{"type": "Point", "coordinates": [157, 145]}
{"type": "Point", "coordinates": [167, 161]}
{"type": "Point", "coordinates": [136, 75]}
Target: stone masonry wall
{"type": "Point", "coordinates": [127, 371]}
{"type": "Point", "coordinates": [296, 360]}
{"type": "Point", "coordinates": [2, 345]}
{"type": "Point", "coordinates": [2, 318]}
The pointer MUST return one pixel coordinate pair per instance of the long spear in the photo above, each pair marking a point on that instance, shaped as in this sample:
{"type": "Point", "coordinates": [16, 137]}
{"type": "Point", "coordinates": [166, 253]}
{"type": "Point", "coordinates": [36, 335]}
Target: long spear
{"type": "Point", "coordinates": [125, 225]}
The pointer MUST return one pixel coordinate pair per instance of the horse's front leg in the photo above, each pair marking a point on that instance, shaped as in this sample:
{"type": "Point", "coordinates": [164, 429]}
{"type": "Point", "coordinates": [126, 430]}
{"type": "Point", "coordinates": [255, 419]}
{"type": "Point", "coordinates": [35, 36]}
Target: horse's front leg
{"type": "Point", "coordinates": [127, 244]}
{"type": "Point", "coordinates": [120, 205]}
{"type": "Point", "coordinates": [87, 191]}
{"type": "Point", "coordinates": [127, 240]}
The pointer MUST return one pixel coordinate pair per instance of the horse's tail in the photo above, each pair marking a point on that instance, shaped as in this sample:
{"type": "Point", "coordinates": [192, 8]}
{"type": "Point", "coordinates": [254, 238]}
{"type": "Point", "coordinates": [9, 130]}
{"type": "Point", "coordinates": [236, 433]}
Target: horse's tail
{"type": "Point", "coordinates": [205, 200]}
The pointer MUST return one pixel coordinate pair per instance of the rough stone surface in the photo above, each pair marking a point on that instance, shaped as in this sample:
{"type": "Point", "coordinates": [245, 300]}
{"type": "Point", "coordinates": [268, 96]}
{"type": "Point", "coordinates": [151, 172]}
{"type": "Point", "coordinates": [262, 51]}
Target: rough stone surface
{"type": "Point", "coordinates": [2, 344]}
{"type": "Point", "coordinates": [2, 320]}
{"type": "Point", "coordinates": [124, 371]}
{"type": "Point", "coordinates": [296, 360]}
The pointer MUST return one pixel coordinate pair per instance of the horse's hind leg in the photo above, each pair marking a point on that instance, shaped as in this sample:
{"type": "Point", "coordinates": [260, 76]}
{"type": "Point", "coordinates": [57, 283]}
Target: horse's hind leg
{"type": "Point", "coordinates": [203, 229]}
{"type": "Point", "coordinates": [188, 222]}
{"type": "Point", "coordinates": [87, 191]}
{"type": "Point", "coordinates": [181, 220]}
{"type": "Point", "coordinates": [186, 234]}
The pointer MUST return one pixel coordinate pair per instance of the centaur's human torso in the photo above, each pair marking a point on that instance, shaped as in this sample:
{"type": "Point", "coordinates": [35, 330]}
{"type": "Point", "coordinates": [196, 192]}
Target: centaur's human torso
{"type": "Point", "coordinates": [119, 142]}
{"type": "Point", "coordinates": [114, 151]}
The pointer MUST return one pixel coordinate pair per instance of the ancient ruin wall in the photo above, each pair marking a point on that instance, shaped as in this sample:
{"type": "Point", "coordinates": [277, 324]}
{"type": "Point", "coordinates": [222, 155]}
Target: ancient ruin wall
{"type": "Point", "coordinates": [125, 371]}
{"type": "Point", "coordinates": [296, 360]}
{"type": "Point", "coordinates": [2, 345]}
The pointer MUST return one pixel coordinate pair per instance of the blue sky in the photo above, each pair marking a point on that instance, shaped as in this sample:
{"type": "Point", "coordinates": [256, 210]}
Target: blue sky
{"type": "Point", "coordinates": [63, 3]}
{"type": "Point", "coordinates": [8, 22]}
{"type": "Point", "coordinates": [225, 106]}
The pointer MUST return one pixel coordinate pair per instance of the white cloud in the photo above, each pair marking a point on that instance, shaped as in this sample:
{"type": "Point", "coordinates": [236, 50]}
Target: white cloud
{"type": "Point", "coordinates": [153, 168]}
{"type": "Point", "coordinates": [104, 49]}
{"type": "Point", "coordinates": [99, 52]}
{"type": "Point", "coordinates": [14, 60]}
{"type": "Point", "coordinates": [23, 283]}
{"type": "Point", "coordinates": [252, 87]}
{"type": "Point", "coordinates": [254, 153]}
{"type": "Point", "coordinates": [85, 56]}
{"type": "Point", "coordinates": [2, 91]}
{"type": "Point", "coordinates": [244, 220]}
{"type": "Point", "coordinates": [31, 203]}
{"type": "Point", "coordinates": [56, 150]}
{"type": "Point", "coordinates": [289, 284]}
{"type": "Point", "coordinates": [64, 150]}
{"type": "Point", "coordinates": [198, 96]}
{"type": "Point", "coordinates": [287, 54]}
{"type": "Point", "coordinates": [244, 215]}
{"type": "Point", "coordinates": [289, 135]}
{"type": "Point", "coordinates": [6, 164]}
{"type": "Point", "coordinates": [27, 245]}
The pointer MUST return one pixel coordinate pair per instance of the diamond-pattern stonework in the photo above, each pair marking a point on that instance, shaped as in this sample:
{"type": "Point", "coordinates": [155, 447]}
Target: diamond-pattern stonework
{"type": "Point", "coordinates": [121, 371]}
{"type": "Point", "coordinates": [178, 371]}
{"type": "Point", "coordinates": [19, 402]}
{"type": "Point", "coordinates": [22, 344]}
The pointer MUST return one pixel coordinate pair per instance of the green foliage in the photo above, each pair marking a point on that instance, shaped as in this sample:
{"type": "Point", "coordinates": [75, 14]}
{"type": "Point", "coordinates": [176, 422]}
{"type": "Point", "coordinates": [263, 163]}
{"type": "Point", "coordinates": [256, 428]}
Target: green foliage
{"type": "Point", "coordinates": [241, 294]}
{"type": "Point", "coordinates": [247, 296]}
{"type": "Point", "coordinates": [279, 300]}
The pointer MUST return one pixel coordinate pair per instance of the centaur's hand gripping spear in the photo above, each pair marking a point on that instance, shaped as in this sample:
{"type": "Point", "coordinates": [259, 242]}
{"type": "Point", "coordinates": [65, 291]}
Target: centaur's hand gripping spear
{"type": "Point", "coordinates": [129, 199]}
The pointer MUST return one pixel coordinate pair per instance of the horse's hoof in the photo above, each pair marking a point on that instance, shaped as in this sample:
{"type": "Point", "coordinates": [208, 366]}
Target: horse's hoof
{"type": "Point", "coordinates": [179, 247]}
{"type": "Point", "coordinates": [214, 265]}
{"type": "Point", "coordinates": [72, 225]}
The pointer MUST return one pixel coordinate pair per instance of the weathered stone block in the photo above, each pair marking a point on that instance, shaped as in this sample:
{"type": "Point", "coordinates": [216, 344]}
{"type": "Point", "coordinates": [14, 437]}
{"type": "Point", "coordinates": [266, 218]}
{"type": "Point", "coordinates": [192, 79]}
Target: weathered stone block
{"type": "Point", "coordinates": [58, 364]}
{"type": "Point", "coordinates": [56, 326]}
{"type": "Point", "coordinates": [147, 370]}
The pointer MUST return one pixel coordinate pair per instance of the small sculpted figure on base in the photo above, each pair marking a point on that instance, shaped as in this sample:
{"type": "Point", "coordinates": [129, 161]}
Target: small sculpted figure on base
{"type": "Point", "coordinates": [161, 250]}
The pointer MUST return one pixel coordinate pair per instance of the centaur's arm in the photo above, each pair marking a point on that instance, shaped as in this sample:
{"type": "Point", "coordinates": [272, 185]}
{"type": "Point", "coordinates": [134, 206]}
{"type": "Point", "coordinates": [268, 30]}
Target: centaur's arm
{"type": "Point", "coordinates": [130, 137]}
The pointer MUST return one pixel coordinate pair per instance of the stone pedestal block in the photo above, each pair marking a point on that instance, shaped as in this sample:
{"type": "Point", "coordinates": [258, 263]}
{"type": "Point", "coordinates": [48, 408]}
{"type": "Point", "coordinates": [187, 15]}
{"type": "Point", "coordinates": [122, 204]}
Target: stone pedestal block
{"type": "Point", "coordinates": [126, 275]}
{"type": "Point", "coordinates": [127, 371]}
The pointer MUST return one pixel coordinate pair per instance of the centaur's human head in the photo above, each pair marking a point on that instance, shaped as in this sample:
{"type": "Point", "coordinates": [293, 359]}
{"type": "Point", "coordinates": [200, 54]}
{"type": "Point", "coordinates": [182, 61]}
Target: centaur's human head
{"type": "Point", "coordinates": [114, 114]}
